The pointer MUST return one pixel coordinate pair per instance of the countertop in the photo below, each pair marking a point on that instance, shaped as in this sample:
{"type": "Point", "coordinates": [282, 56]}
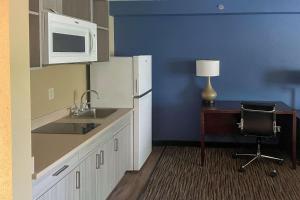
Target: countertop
{"type": "Point", "coordinates": [49, 148]}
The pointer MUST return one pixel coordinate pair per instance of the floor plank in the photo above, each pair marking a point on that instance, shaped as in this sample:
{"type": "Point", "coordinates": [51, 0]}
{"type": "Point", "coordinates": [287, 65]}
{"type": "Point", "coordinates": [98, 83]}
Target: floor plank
{"type": "Point", "coordinates": [133, 183]}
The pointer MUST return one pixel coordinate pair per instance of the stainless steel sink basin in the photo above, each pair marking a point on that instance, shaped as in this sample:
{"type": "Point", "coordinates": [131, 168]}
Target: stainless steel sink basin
{"type": "Point", "coordinates": [97, 113]}
{"type": "Point", "coordinates": [66, 128]}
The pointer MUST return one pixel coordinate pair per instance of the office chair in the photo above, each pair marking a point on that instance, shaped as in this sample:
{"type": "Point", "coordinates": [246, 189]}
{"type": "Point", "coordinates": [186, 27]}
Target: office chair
{"type": "Point", "coordinates": [258, 120]}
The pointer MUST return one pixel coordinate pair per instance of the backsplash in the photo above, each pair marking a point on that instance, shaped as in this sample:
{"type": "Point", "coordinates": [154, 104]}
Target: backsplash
{"type": "Point", "coordinates": [57, 83]}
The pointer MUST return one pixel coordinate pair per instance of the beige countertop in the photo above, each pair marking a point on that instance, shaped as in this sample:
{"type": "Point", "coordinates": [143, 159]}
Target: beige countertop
{"type": "Point", "coordinates": [49, 148]}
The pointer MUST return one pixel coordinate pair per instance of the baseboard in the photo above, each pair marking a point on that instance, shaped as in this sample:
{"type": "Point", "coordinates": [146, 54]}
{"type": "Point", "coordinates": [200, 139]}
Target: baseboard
{"type": "Point", "coordinates": [207, 144]}
{"type": "Point", "coordinates": [174, 143]}
{"type": "Point", "coordinates": [213, 144]}
{"type": "Point", "coordinates": [192, 143]}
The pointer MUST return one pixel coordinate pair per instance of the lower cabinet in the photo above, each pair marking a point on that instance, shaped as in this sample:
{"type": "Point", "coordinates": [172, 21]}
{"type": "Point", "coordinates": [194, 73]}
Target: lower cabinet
{"type": "Point", "coordinates": [99, 172]}
{"type": "Point", "coordinates": [66, 189]}
{"type": "Point", "coordinates": [88, 177]}
{"type": "Point", "coordinates": [122, 152]}
{"type": "Point", "coordinates": [106, 169]}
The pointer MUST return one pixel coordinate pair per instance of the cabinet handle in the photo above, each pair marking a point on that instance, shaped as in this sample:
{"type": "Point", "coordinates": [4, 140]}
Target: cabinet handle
{"type": "Point", "coordinates": [97, 161]}
{"type": "Point", "coordinates": [77, 179]}
{"type": "Point", "coordinates": [60, 170]}
{"type": "Point", "coordinates": [102, 157]}
{"type": "Point", "coordinates": [116, 144]}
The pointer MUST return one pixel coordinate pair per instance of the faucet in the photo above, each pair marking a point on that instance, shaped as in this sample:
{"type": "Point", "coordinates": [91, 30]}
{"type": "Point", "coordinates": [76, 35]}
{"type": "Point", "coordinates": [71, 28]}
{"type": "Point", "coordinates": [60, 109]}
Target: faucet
{"type": "Point", "coordinates": [84, 105]}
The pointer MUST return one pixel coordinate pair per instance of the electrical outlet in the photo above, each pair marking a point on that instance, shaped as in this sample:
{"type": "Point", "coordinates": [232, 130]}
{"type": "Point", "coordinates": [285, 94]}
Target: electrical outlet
{"type": "Point", "coordinates": [51, 94]}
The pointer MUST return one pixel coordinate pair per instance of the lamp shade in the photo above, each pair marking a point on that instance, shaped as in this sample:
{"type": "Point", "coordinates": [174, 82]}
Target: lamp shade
{"type": "Point", "coordinates": [207, 68]}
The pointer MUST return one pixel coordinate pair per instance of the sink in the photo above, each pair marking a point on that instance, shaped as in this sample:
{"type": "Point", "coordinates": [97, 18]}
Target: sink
{"type": "Point", "coordinates": [97, 113]}
{"type": "Point", "coordinates": [66, 128]}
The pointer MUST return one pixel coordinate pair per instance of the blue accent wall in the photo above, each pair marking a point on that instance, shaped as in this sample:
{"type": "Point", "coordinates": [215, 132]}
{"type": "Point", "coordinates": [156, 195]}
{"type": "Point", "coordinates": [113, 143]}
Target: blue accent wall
{"type": "Point", "coordinates": [180, 7]}
{"type": "Point", "coordinates": [259, 54]}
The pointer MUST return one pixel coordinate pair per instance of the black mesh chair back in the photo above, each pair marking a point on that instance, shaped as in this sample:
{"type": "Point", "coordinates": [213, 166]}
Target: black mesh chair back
{"type": "Point", "coordinates": [258, 119]}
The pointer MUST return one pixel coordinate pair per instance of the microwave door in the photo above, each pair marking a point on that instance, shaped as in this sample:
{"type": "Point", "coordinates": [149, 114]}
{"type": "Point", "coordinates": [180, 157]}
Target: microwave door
{"type": "Point", "coordinates": [68, 43]}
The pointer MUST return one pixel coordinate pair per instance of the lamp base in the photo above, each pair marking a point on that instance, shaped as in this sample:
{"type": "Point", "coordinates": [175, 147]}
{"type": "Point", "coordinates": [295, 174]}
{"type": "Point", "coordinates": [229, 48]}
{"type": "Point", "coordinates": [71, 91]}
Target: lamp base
{"type": "Point", "coordinates": [208, 103]}
{"type": "Point", "coordinates": [208, 94]}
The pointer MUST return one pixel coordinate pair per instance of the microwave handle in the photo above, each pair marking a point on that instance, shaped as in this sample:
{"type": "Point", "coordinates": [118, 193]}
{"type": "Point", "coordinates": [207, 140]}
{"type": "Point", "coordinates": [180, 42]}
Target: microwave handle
{"type": "Point", "coordinates": [91, 41]}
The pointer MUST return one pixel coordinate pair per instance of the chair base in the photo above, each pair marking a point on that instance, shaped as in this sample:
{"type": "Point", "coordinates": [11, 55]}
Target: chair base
{"type": "Point", "coordinates": [255, 157]}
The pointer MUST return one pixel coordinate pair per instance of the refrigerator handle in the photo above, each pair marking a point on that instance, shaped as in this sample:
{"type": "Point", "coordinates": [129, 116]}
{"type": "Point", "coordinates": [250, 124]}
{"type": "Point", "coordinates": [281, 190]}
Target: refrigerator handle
{"type": "Point", "coordinates": [136, 86]}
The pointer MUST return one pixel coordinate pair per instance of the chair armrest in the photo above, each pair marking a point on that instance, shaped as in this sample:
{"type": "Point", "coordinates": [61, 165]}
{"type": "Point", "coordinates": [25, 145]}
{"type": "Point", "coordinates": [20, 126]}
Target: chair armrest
{"type": "Point", "coordinates": [276, 129]}
{"type": "Point", "coordinates": [241, 124]}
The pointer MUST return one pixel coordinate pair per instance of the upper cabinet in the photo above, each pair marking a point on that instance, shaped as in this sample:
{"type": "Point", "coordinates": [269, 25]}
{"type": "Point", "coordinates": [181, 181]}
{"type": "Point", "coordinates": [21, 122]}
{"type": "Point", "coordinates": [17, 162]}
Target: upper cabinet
{"type": "Point", "coordinates": [96, 11]}
{"type": "Point", "coordinates": [52, 5]}
{"type": "Point", "coordinates": [100, 13]}
{"type": "Point", "coordinates": [80, 9]}
{"type": "Point", "coordinates": [100, 17]}
{"type": "Point", "coordinates": [34, 33]}
{"type": "Point", "coordinates": [34, 40]}
{"type": "Point", "coordinates": [103, 44]}
{"type": "Point", "coordinates": [34, 5]}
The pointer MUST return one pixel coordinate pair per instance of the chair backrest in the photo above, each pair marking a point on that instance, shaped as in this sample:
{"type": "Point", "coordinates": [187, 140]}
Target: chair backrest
{"type": "Point", "coordinates": [258, 119]}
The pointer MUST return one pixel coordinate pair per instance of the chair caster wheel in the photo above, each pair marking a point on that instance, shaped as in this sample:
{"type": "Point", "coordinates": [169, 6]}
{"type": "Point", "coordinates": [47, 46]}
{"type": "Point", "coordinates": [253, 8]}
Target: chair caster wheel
{"type": "Point", "coordinates": [273, 173]}
{"type": "Point", "coordinates": [280, 162]}
{"type": "Point", "coordinates": [234, 156]}
{"type": "Point", "coordinates": [242, 169]}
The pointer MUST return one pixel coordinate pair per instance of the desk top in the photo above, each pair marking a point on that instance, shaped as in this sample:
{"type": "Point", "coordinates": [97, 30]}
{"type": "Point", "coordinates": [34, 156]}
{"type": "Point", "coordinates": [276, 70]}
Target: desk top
{"type": "Point", "coordinates": [235, 106]}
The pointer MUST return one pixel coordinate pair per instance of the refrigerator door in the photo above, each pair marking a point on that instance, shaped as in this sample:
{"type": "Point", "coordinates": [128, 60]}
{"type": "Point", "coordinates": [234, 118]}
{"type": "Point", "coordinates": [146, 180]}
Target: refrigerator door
{"type": "Point", "coordinates": [113, 81]}
{"type": "Point", "coordinates": [142, 74]}
{"type": "Point", "coordinates": [142, 129]}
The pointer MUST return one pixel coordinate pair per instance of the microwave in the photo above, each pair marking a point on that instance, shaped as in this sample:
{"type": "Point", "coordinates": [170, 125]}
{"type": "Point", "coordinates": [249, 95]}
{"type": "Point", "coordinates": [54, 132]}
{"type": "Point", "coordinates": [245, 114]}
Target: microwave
{"type": "Point", "coordinates": [68, 40]}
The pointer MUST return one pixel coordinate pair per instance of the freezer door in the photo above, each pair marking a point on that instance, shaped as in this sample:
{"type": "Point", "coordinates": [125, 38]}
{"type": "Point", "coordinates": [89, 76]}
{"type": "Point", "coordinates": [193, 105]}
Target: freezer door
{"type": "Point", "coordinates": [142, 130]}
{"type": "Point", "coordinates": [113, 81]}
{"type": "Point", "coordinates": [142, 66]}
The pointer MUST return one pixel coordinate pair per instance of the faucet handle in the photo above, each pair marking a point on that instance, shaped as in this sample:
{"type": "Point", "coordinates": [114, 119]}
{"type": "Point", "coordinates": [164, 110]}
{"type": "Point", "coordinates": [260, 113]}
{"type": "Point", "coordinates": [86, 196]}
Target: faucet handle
{"type": "Point", "coordinates": [84, 105]}
{"type": "Point", "coordinates": [74, 110]}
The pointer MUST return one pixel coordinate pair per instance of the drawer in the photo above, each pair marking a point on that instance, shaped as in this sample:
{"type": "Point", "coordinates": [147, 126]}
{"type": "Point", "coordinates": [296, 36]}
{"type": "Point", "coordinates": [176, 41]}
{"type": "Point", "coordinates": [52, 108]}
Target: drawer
{"type": "Point", "coordinates": [103, 136]}
{"type": "Point", "coordinates": [50, 178]}
{"type": "Point", "coordinates": [87, 149]}
{"type": "Point", "coordinates": [121, 124]}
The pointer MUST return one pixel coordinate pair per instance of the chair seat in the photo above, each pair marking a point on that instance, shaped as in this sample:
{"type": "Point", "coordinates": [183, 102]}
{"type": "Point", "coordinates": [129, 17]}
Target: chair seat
{"type": "Point", "coordinates": [260, 136]}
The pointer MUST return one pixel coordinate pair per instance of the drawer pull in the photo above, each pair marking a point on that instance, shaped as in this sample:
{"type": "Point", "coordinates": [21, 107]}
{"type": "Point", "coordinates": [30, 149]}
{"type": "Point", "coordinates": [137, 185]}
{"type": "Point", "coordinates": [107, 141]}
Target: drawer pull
{"type": "Point", "coordinates": [60, 170]}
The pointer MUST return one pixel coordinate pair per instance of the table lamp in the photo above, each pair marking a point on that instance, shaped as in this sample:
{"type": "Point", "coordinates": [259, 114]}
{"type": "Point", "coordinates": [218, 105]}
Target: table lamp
{"type": "Point", "coordinates": [208, 68]}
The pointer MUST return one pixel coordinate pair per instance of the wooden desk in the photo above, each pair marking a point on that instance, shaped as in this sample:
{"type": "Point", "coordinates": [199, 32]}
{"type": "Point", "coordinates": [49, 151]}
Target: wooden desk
{"type": "Point", "coordinates": [222, 119]}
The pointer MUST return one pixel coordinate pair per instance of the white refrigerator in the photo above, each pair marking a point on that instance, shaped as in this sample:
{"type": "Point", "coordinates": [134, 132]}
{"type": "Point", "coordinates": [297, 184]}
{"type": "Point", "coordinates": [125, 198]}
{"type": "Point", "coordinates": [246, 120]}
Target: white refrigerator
{"type": "Point", "coordinates": [126, 82]}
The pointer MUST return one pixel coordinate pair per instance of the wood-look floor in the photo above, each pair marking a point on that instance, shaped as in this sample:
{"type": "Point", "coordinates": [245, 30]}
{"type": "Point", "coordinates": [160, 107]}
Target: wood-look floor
{"type": "Point", "coordinates": [133, 183]}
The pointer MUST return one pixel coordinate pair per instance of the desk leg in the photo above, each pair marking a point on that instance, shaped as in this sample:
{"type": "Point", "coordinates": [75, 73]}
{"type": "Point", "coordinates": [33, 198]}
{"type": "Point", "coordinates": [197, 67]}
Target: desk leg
{"type": "Point", "coordinates": [202, 136]}
{"type": "Point", "coordinates": [294, 135]}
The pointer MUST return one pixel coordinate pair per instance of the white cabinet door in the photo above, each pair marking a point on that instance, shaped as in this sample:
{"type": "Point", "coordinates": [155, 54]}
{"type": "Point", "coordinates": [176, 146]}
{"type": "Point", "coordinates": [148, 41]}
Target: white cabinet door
{"type": "Point", "coordinates": [88, 176]}
{"type": "Point", "coordinates": [122, 152]}
{"type": "Point", "coordinates": [115, 92]}
{"type": "Point", "coordinates": [66, 189]}
{"type": "Point", "coordinates": [106, 172]}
